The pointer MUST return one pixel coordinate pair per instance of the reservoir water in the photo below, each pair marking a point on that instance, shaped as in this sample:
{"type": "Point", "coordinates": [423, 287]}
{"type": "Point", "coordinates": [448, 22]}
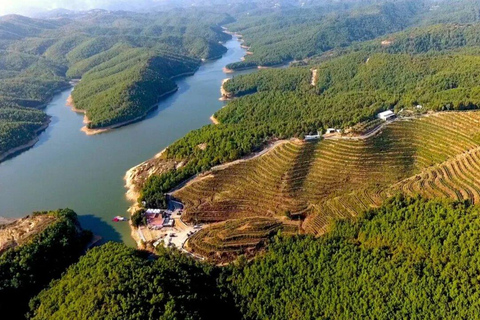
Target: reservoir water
{"type": "Point", "coordinates": [66, 168]}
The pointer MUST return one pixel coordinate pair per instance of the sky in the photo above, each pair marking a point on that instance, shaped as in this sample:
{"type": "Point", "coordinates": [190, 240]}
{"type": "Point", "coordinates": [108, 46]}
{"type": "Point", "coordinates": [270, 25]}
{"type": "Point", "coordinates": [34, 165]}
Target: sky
{"type": "Point", "coordinates": [27, 7]}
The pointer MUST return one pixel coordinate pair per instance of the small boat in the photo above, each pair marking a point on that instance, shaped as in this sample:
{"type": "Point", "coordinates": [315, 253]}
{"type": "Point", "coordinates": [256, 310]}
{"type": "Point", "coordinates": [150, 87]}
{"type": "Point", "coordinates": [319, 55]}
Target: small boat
{"type": "Point", "coordinates": [119, 218]}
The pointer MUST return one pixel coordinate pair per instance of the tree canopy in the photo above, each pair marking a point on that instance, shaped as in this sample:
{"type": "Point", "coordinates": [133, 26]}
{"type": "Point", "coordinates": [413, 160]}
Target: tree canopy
{"type": "Point", "coordinates": [117, 282]}
{"type": "Point", "coordinates": [28, 268]}
{"type": "Point", "coordinates": [411, 258]}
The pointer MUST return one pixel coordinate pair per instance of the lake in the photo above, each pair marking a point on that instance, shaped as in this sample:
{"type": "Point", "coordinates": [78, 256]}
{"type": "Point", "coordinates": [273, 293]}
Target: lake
{"type": "Point", "coordinates": [67, 168]}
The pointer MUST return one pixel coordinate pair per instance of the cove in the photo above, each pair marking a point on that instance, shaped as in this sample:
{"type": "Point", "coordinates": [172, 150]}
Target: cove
{"type": "Point", "coordinates": [67, 168]}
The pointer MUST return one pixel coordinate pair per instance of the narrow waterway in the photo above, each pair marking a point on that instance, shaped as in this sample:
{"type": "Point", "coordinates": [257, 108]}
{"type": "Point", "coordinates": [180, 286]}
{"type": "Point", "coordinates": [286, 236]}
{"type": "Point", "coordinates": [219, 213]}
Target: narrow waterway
{"type": "Point", "coordinates": [66, 168]}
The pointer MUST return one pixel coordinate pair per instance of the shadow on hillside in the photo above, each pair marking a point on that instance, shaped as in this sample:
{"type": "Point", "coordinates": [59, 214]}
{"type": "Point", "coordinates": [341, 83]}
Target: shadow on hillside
{"type": "Point", "coordinates": [99, 227]}
{"type": "Point", "coordinates": [169, 100]}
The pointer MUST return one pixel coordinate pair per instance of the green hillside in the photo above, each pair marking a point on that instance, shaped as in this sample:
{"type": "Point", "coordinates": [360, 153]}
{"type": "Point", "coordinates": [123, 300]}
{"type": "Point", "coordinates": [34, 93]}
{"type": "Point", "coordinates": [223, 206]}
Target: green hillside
{"type": "Point", "coordinates": [411, 259]}
{"type": "Point", "coordinates": [128, 85]}
{"type": "Point", "coordinates": [116, 282]}
{"type": "Point", "coordinates": [127, 61]}
{"type": "Point", "coordinates": [355, 87]}
{"type": "Point", "coordinates": [48, 242]}
{"type": "Point", "coordinates": [296, 34]}
{"type": "Point", "coordinates": [348, 90]}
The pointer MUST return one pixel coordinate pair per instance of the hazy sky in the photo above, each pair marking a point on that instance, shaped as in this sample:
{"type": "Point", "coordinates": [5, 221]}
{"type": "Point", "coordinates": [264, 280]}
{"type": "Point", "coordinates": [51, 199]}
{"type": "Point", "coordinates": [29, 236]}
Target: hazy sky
{"type": "Point", "coordinates": [29, 6]}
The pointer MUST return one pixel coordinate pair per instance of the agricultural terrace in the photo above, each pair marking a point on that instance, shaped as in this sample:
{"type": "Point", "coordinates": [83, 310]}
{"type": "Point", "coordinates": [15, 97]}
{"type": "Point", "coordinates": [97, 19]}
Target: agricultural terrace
{"type": "Point", "coordinates": [224, 241]}
{"type": "Point", "coordinates": [311, 183]}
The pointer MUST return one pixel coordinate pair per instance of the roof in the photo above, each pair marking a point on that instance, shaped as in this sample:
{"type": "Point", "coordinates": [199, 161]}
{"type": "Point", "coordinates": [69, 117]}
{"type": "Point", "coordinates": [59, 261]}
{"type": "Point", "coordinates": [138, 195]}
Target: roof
{"type": "Point", "coordinates": [387, 113]}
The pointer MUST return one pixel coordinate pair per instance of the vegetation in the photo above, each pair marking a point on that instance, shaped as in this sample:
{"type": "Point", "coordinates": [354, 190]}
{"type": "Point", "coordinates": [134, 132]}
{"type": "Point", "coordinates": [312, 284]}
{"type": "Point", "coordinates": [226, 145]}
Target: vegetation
{"type": "Point", "coordinates": [434, 38]}
{"type": "Point", "coordinates": [18, 126]}
{"type": "Point", "coordinates": [116, 282]}
{"type": "Point", "coordinates": [129, 84]}
{"type": "Point", "coordinates": [289, 79]}
{"type": "Point", "coordinates": [410, 258]}
{"type": "Point", "coordinates": [297, 34]}
{"type": "Point", "coordinates": [127, 61]}
{"type": "Point", "coordinates": [320, 182]}
{"type": "Point", "coordinates": [138, 218]}
{"type": "Point", "coordinates": [225, 241]}
{"type": "Point", "coordinates": [348, 90]}
{"type": "Point", "coordinates": [28, 268]}
{"type": "Point", "coordinates": [355, 87]}
{"type": "Point", "coordinates": [294, 34]}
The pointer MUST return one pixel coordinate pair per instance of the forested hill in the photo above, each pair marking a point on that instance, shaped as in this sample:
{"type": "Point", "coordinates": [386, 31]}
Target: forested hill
{"type": "Point", "coordinates": [117, 282]}
{"type": "Point", "coordinates": [282, 103]}
{"type": "Point", "coordinates": [126, 59]}
{"type": "Point", "coordinates": [409, 259]}
{"type": "Point", "coordinates": [296, 34]}
{"type": "Point", "coordinates": [33, 251]}
{"type": "Point", "coordinates": [426, 39]}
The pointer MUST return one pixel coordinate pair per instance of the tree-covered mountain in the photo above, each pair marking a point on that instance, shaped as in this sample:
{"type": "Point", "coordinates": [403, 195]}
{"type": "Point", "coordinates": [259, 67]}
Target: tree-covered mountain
{"type": "Point", "coordinates": [34, 251]}
{"type": "Point", "coordinates": [417, 40]}
{"type": "Point", "coordinates": [116, 282]}
{"type": "Point", "coordinates": [410, 258]}
{"type": "Point", "coordinates": [298, 33]}
{"type": "Point", "coordinates": [127, 61]}
{"type": "Point", "coordinates": [281, 104]}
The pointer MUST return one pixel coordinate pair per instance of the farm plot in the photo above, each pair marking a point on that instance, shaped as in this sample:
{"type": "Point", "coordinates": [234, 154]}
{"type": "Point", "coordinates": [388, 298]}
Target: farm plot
{"type": "Point", "coordinates": [264, 186]}
{"type": "Point", "coordinates": [457, 178]}
{"type": "Point", "coordinates": [225, 240]}
{"type": "Point", "coordinates": [351, 176]}
{"type": "Point", "coordinates": [436, 156]}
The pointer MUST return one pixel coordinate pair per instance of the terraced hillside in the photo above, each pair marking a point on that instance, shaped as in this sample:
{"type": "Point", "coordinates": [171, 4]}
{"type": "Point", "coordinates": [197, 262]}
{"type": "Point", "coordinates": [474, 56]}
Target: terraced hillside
{"type": "Point", "coordinates": [313, 183]}
{"type": "Point", "coordinates": [225, 240]}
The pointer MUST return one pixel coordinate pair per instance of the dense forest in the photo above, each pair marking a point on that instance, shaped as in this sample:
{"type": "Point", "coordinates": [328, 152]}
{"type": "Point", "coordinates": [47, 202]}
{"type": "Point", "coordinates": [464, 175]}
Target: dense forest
{"type": "Point", "coordinates": [126, 61]}
{"type": "Point", "coordinates": [355, 87]}
{"type": "Point", "coordinates": [27, 269]}
{"type": "Point", "coordinates": [294, 34]}
{"type": "Point", "coordinates": [418, 40]}
{"type": "Point", "coordinates": [116, 282]}
{"type": "Point", "coordinates": [410, 258]}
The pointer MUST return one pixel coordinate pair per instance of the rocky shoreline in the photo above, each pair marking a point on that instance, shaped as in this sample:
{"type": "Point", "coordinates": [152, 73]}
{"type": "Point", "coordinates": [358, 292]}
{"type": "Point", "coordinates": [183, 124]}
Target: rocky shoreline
{"type": "Point", "coordinates": [135, 177]}
{"type": "Point", "coordinates": [225, 95]}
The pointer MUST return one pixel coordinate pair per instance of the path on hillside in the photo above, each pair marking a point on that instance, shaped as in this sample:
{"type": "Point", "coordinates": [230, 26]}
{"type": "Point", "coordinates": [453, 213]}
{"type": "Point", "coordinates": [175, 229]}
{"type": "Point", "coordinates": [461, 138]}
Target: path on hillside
{"type": "Point", "coordinates": [267, 149]}
{"type": "Point", "coordinates": [313, 81]}
{"type": "Point", "coordinates": [203, 175]}
{"type": "Point", "coordinates": [371, 133]}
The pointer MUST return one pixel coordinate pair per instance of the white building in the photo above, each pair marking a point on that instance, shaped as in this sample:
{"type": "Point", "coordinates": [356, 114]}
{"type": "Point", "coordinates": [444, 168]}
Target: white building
{"type": "Point", "coordinates": [312, 137]}
{"type": "Point", "coordinates": [386, 115]}
{"type": "Point", "coordinates": [331, 130]}
{"type": "Point", "coordinates": [317, 136]}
